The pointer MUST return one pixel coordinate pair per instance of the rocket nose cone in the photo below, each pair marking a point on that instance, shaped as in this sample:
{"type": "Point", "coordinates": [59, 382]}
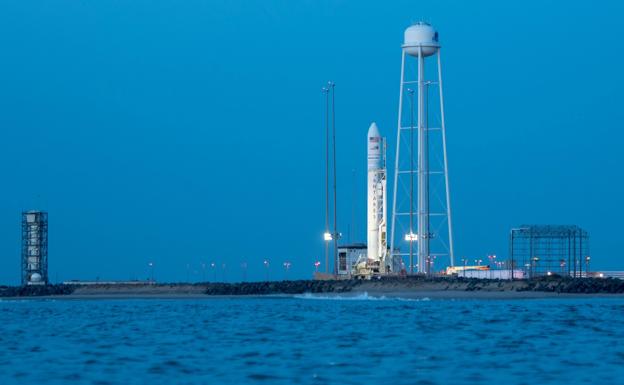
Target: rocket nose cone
{"type": "Point", "coordinates": [373, 131]}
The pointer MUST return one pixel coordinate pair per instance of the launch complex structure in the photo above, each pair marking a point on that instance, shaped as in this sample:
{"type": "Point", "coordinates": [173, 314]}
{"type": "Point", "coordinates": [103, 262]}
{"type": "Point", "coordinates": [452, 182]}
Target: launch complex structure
{"type": "Point", "coordinates": [421, 229]}
{"type": "Point", "coordinates": [34, 260]}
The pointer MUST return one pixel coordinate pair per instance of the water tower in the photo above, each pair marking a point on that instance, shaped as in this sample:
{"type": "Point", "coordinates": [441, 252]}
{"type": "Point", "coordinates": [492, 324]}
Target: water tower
{"type": "Point", "coordinates": [421, 231]}
{"type": "Point", "coordinates": [34, 248]}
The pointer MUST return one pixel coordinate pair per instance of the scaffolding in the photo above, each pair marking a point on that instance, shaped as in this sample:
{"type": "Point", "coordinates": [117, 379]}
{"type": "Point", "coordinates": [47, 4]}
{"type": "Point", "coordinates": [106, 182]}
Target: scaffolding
{"type": "Point", "coordinates": [550, 249]}
{"type": "Point", "coordinates": [34, 248]}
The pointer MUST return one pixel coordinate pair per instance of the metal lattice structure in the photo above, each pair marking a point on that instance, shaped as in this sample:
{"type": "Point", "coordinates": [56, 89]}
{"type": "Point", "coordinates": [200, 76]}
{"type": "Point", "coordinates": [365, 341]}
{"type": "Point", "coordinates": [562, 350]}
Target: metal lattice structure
{"type": "Point", "coordinates": [421, 228]}
{"type": "Point", "coordinates": [34, 248]}
{"type": "Point", "coordinates": [550, 249]}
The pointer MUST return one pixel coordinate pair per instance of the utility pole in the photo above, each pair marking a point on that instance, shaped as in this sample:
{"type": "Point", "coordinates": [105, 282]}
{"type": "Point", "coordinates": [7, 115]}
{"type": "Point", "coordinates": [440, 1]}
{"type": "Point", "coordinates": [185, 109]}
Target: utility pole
{"type": "Point", "coordinates": [411, 197]}
{"type": "Point", "coordinates": [352, 226]}
{"type": "Point", "coordinates": [266, 266]}
{"type": "Point", "coordinates": [327, 236]}
{"type": "Point", "coordinates": [336, 233]}
{"type": "Point", "coordinates": [244, 267]}
{"type": "Point", "coordinates": [151, 266]}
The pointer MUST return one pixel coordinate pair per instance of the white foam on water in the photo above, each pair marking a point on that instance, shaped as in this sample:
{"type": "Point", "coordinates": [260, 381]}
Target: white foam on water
{"type": "Point", "coordinates": [423, 299]}
{"type": "Point", "coordinates": [356, 297]}
{"type": "Point", "coordinates": [340, 297]}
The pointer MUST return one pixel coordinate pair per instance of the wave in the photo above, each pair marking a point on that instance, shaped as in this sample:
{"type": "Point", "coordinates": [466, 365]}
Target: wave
{"type": "Point", "coordinates": [356, 297]}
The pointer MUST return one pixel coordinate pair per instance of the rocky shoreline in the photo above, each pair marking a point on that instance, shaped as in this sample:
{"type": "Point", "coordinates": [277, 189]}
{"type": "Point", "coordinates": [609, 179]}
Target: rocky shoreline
{"type": "Point", "coordinates": [36, 291]}
{"type": "Point", "coordinates": [412, 285]}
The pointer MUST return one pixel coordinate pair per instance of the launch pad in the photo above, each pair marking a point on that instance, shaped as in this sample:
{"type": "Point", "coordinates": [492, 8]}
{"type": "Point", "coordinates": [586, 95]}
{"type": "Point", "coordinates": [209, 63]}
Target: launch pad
{"type": "Point", "coordinates": [421, 232]}
{"type": "Point", "coordinates": [421, 228]}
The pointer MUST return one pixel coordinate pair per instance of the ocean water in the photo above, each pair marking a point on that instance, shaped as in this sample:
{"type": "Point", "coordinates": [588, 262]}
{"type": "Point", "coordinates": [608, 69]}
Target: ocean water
{"type": "Point", "coordinates": [312, 340]}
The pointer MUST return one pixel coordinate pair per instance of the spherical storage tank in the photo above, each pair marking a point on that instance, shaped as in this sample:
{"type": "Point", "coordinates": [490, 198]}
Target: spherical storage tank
{"type": "Point", "coordinates": [36, 277]}
{"type": "Point", "coordinates": [421, 36]}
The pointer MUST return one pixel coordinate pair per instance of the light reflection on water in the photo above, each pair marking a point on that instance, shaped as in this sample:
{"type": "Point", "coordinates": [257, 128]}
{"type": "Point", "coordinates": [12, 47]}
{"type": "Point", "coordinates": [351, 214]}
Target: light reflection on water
{"type": "Point", "coordinates": [312, 341]}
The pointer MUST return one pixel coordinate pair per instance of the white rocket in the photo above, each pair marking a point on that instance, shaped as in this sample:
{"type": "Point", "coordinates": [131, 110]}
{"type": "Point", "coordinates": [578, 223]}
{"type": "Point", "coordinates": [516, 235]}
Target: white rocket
{"type": "Point", "coordinates": [377, 248]}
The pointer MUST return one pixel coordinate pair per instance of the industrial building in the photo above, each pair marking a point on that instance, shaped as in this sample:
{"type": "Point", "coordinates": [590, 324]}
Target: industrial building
{"type": "Point", "coordinates": [34, 248]}
{"type": "Point", "coordinates": [550, 249]}
{"type": "Point", "coordinates": [348, 257]}
{"type": "Point", "coordinates": [484, 272]}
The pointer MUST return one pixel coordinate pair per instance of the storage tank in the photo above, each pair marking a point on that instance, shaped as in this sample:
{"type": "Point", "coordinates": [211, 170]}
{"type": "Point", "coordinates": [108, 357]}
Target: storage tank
{"type": "Point", "coordinates": [421, 37]}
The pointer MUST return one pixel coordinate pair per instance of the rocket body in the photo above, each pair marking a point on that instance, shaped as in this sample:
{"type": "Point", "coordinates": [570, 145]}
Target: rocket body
{"type": "Point", "coordinates": [376, 197]}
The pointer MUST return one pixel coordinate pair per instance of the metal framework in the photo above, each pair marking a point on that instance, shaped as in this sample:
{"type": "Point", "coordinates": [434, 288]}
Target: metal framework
{"type": "Point", "coordinates": [434, 233]}
{"type": "Point", "coordinates": [550, 249]}
{"type": "Point", "coordinates": [34, 248]}
{"type": "Point", "coordinates": [335, 235]}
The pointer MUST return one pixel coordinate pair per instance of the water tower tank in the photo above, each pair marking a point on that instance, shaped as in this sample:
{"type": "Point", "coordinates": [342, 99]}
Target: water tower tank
{"type": "Point", "coordinates": [421, 35]}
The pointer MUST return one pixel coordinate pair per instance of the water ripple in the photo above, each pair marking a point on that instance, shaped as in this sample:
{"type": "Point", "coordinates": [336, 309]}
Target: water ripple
{"type": "Point", "coordinates": [328, 340]}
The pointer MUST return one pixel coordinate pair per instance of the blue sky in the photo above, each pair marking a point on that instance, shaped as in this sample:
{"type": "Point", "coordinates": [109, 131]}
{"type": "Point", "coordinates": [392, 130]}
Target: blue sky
{"type": "Point", "coordinates": [190, 132]}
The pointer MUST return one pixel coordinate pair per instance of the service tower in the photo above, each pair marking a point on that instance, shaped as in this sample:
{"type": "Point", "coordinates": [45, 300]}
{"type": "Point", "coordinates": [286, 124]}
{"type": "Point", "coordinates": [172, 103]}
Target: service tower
{"type": "Point", "coordinates": [34, 248]}
{"type": "Point", "coordinates": [421, 222]}
{"type": "Point", "coordinates": [377, 247]}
